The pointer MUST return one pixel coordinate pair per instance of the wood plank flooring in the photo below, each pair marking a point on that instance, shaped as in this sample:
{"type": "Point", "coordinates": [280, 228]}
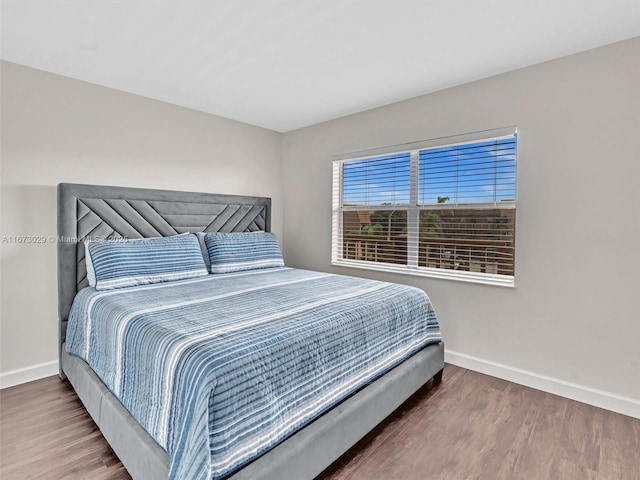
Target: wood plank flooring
{"type": "Point", "coordinates": [471, 426]}
{"type": "Point", "coordinates": [46, 434]}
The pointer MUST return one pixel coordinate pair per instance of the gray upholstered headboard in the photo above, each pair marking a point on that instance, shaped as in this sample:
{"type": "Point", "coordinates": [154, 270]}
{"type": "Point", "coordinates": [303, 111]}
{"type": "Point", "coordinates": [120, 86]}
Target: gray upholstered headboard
{"type": "Point", "coordinates": [95, 211]}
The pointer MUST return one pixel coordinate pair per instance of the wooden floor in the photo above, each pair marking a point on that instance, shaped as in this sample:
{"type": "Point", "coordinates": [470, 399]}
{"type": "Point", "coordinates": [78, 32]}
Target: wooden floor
{"type": "Point", "coordinates": [471, 426]}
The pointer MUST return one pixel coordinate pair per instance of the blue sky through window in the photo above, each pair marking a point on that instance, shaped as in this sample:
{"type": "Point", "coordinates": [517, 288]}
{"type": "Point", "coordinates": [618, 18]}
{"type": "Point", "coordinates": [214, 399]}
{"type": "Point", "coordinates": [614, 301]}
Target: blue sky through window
{"type": "Point", "coordinates": [378, 181]}
{"type": "Point", "coordinates": [480, 172]}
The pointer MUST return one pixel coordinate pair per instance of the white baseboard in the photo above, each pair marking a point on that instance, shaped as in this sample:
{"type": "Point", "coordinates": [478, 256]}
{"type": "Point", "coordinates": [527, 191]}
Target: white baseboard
{"type": "Point", "coordinates": [28, 374]}
{"type": "Point", "coordinates": [599, 398]}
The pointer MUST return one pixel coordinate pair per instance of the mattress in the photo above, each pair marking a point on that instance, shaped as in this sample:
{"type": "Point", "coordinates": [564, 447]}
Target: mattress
{"type": "Point", "coordinates": [218, 370]}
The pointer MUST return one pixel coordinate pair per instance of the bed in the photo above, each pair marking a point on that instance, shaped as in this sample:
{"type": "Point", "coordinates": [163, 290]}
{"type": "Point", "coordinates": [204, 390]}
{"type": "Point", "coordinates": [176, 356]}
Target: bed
{"type": "Point", "coordinates": [311, 445]}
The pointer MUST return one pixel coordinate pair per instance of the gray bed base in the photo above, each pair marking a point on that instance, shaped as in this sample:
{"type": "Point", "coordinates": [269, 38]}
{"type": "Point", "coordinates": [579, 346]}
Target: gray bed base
{"type": "Point", "coordinates": [87, 211]}
{"type": "Point", "coordinates": [302, 456]}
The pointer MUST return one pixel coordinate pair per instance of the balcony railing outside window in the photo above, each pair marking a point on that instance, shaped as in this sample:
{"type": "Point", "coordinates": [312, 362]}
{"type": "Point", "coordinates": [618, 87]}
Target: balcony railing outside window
{"type": "Point", "coordinates": [474, 241]}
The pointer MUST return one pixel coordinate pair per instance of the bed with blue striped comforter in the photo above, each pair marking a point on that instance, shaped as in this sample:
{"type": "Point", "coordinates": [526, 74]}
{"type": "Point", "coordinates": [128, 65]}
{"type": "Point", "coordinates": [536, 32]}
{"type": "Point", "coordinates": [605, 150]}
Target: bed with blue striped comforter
{"type": "Point", "coordinates": [222, 368]}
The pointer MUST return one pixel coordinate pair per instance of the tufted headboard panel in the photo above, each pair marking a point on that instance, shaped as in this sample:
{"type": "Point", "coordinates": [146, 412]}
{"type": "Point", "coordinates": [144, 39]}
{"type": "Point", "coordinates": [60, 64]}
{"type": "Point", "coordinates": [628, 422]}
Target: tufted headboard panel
{"type": "Point", "coordinates": [94, 211]}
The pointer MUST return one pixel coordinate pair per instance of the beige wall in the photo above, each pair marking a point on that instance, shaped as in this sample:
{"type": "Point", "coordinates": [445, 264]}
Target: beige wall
{"type": "Point", "coordinates": [55, 129]}
{"type": "Point", "coordinates": [574, 315]}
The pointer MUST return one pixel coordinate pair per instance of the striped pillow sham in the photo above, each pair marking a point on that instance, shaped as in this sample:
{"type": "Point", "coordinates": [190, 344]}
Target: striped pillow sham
{"type": "Point", "coordinates": [235, 252]}
{"type": "Point", "coordinates": [115, 264]}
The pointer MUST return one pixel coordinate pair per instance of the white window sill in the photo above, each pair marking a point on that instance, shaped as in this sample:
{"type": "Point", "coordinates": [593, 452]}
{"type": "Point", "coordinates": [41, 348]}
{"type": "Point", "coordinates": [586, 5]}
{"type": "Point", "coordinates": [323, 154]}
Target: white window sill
{"type": "Point", "coordinates": [460, 276]}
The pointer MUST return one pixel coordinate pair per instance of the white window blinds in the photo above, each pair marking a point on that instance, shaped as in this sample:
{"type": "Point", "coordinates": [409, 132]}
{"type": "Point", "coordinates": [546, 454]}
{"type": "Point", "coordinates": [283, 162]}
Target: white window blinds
{"type": "Point", "coordinates": [438, 209]}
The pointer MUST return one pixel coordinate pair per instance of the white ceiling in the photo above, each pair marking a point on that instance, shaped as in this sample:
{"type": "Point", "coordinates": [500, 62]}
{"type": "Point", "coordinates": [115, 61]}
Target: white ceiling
{"type": "Point", "coordinates": [286, 64]}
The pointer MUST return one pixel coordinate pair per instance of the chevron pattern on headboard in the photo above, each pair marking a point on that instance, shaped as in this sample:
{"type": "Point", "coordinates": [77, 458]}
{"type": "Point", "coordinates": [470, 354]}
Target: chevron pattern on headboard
{"type": "Point", "coordinates": [101, 218]}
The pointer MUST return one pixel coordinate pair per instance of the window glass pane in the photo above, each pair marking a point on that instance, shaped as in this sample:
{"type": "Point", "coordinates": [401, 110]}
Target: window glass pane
{"type": "Point", "coordinates": [468, 239]}
{"type": "Point", "coordinates": [375, 235]}
{"type": "Point", "coordinates": [480, 172]}
{"type": "Point", "coordinates": [377, 181]}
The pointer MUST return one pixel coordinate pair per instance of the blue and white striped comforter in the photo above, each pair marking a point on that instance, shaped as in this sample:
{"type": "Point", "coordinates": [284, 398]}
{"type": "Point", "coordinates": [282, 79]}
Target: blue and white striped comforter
{"type": "Point", "coordinates": [220, 369]}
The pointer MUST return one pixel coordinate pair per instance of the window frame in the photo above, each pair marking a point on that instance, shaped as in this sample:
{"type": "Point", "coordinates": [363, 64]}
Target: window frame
{"type": "Point", "coordinates": [414, 208]}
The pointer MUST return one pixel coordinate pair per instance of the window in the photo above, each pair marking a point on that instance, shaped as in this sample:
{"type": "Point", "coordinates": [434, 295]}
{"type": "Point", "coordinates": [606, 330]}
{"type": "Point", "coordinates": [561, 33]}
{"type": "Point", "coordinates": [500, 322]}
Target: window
{"type": "Point", "coordinates": [443, 208]}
